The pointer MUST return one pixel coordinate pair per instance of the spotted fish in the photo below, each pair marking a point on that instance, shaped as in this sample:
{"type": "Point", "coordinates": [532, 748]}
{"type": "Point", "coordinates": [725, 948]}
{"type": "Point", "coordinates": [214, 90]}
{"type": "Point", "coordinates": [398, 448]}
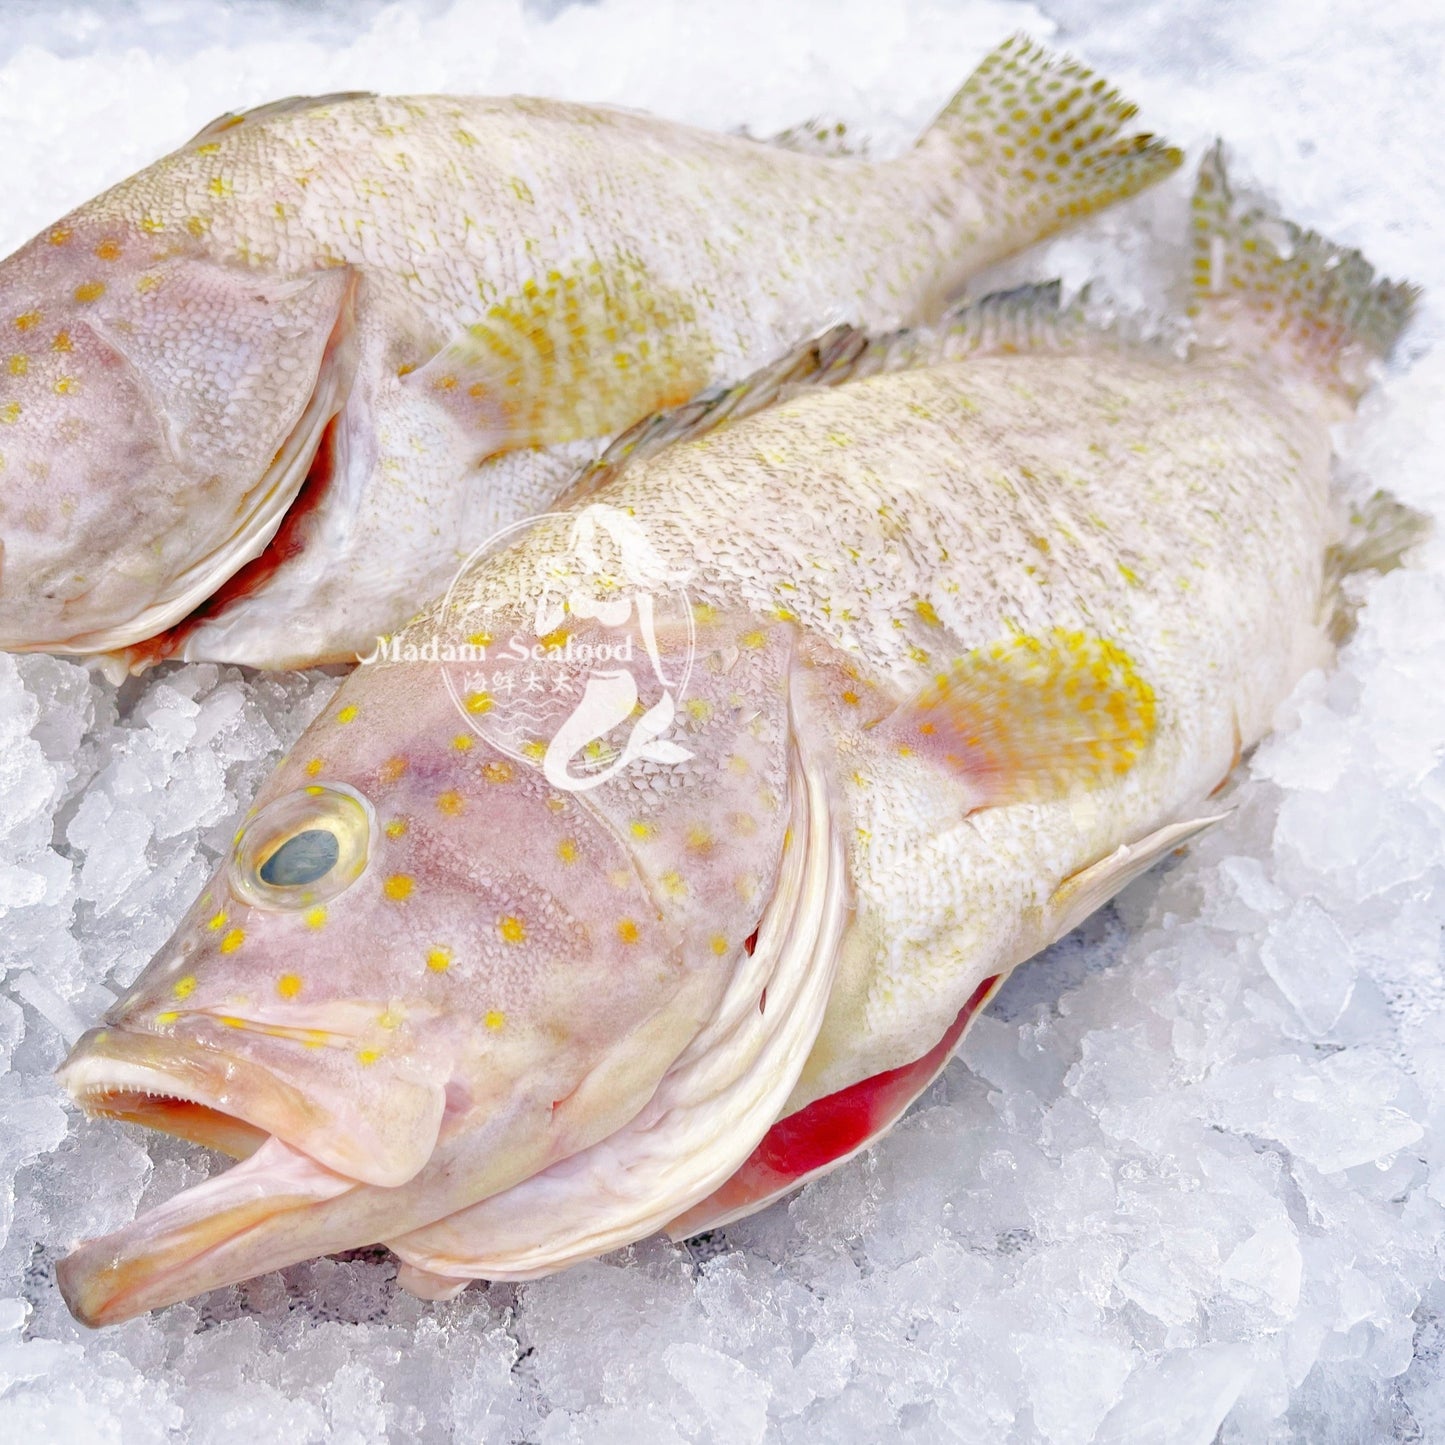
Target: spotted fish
{"type": "Point", "coordinates": [936, 642]}
{"type": "Point", "coordinates": [245, 394]}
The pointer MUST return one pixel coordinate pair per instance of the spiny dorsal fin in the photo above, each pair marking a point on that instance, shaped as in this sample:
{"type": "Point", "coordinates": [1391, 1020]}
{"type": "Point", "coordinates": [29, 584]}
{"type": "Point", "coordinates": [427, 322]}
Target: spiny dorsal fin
{"type": "Point", "coordinates": [1260, 281]}
{"type": "Point", "coordinates": [1026, 319]}
{"type": "Point", "coordinates": [232, 118]}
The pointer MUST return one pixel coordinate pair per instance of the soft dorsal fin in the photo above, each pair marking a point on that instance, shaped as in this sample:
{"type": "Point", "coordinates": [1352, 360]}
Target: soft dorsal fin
{"type": "Point", "coordinates": [1026, 319]}
{"type": "Point", "coordinates": [232, 118]}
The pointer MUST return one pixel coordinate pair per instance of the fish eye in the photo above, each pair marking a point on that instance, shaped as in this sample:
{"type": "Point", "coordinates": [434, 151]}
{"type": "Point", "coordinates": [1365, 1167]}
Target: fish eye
{"type": "Point", "coordinates": [303, 849]}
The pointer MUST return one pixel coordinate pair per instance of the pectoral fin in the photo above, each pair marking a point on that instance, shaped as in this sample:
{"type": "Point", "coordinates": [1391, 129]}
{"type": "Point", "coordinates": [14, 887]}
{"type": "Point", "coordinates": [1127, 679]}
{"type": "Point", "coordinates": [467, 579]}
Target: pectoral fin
{"type": "Point", "coordinates": [571, 355]}
{"type": "Point", "coordinates": [1031, 719]}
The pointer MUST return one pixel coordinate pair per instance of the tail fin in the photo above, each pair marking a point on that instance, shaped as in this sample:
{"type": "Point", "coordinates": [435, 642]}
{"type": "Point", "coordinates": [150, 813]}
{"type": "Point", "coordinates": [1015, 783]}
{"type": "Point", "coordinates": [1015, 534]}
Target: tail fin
{"type": "Point", "coordinates": [1261, 282]}
{"type": "Point", "coordinates": [1038, 136]}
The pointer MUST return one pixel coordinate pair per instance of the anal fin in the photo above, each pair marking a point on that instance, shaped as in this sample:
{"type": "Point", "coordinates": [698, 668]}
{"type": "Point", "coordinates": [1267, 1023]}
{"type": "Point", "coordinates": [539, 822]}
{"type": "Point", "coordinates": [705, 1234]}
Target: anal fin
{"type": "Point", "coordinates": [1091, 888]}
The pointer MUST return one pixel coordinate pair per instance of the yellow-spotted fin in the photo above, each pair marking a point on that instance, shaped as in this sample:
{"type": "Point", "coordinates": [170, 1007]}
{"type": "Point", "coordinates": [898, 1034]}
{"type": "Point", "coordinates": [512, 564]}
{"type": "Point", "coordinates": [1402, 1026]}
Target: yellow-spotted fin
{"type": "Point", "coordinates": [1262, 283]}
{"type": "Point", "coordinates": [1032, 718]}
{"type": "Point", "coordinates": [1038, 135]}
{"type": "Point", "coordinates": [571, 355]}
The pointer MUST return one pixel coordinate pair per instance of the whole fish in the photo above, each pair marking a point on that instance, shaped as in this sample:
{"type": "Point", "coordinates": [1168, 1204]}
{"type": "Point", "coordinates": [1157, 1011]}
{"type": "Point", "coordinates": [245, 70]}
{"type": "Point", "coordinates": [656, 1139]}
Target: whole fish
{"type": "Point", "coordinates": [733, 791]}
{"type": "Point", "coordinates": [250, 388]}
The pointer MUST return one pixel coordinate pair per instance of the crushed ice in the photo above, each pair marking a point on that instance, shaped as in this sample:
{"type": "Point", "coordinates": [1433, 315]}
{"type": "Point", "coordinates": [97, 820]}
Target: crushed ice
{"type": "Point", "coordinates": [1187, 1181]}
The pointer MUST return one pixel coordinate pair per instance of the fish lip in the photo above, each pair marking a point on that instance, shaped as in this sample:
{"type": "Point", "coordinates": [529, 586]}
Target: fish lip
{"type": "Point", "coordinates": [122, 1073]}
{"type": "Point", "coordinates": [277, 490]}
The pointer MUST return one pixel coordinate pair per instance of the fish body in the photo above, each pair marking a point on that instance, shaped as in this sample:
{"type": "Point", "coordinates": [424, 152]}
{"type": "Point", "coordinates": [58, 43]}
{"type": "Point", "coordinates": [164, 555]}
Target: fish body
{"type": "Point", "coordinates": [967, 643]}
{"type": "Point", "coordinates": [265, 395]}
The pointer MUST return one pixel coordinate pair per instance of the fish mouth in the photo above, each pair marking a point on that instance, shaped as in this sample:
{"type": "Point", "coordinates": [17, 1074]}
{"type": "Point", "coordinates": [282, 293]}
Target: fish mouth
{"type": "Point", "coordinates": [275, 495]}
{"type": "Point", "coordinates": [187, 1244]}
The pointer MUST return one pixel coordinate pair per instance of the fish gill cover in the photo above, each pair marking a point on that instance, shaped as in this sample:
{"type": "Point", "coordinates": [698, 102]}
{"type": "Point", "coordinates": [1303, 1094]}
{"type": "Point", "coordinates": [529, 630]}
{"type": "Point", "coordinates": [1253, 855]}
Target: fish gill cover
{"type": "Point", "coordinates": [1187, 1179]}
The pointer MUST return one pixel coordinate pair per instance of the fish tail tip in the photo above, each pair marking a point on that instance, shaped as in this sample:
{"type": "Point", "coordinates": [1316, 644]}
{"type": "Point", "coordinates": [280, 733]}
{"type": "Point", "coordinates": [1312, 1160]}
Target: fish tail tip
{"type": "Point", "coordinates": [1260, 281]}
{"type": "Point", "coordinates": [1043, 137]}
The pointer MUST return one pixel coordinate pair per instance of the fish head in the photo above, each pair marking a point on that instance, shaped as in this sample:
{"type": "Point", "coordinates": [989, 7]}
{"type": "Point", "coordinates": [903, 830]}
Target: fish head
{"type": "Point", "coordinates": [423, 973]}
{"type": "Point", "coordinates": [158, 414]}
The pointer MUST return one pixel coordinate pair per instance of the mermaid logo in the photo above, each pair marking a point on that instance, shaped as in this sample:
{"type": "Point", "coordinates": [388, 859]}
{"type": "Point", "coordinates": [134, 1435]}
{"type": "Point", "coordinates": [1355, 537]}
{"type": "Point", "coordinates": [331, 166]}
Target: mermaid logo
{"type": "Point", "coordinates": [573, 653]}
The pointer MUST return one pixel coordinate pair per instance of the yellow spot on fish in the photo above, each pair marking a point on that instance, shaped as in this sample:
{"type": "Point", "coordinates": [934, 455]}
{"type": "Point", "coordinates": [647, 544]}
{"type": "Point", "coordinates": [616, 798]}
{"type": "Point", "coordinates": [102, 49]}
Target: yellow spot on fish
{"type": "Point", "coordinates": [288, 985]}
{"type": "Point", "coordinates": [64, 385]}
{"type": "Point", "coordinates": [396, 828]}
{"type": "Point", "coordinates": [316, 917]}
{"type": "Point", "coordinates": [209, 149]}
{"type": "Point", "coordinates": [10, 413]}
{"type": "Point", "coordinates": [627, 931]}
{"type": "Point", "coordinates": [90, 291]}
{"type": "Point", "coordinates": [497, 772]}
{"type": "Point", "coordinates": [219, 186]}
{"type": "Point", "coordinates": [641, 829]}
{"type": "Point", "coordinates": [439, 960]}
{"type": "Point", "coordinates": [19, 365]}
{"type": "Point", "coordinates": [367, 1056]}
{"type": "Point", "coordinates": [59, 235]}
{"type": "Point", "coordinates": [1129, 575]}
{"type": "Point", "coordinates": [108, 250]}
{"type": "Point", "coordinates": [315, 1039]}
{"type": "Point", "coordinates": [699, 839]}
{"type": "Point", "coordinates": [495, 1019]}
{"type": "Point", "coordinates": [217, 921]}
{"type": "Point", "coordinates": [462, 742]}
{"type": "Point", "coordinates": [26, 320]}
{"type": "Point", "coordinates": [391, 770]}
{"type": "Point", "coordinates": [184, 987]}
{"type": "Point", "coordinates": [313, 767]}
{"type": "Point", "coordinates": [234, 938]}
{"type": "Point", "coordinates": [397, 887]}
{"type": "Point", "coordinates": [567, 851]}
{"type": "Point", "coordinates": [450, 803]}
{"type": "Point", "coordinates": [719, 944]}
{"type": "Point", "coordinates": [196, 226]}
{"type": "Point", "coordinates": [672, 883]}
{"type": "Point", "coordinates": [62, 342]}
{"type": "Point", "coordinates": [169, 1017]}
{"type": "Point", "coordinates": [480, 639]}
{"type": "Point", "coordinates": [851, 698]}
{"type": "Point", "coordinates": [347, 714]}
{"type": "Point", "coordinates": [752, 639]}
{"type": "Point", "coordinates": [512, 929]}
{"type": "Point", "coordinates": [392, 1018]}
{"type": "Point", "coordinates": [699, 708]}
{"type": "Point", "coordinates": [314, 791]}
{"type": "Point", "coordinates": [534, 749]}
{"type": "Point", "coordinates": [924, 608]}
